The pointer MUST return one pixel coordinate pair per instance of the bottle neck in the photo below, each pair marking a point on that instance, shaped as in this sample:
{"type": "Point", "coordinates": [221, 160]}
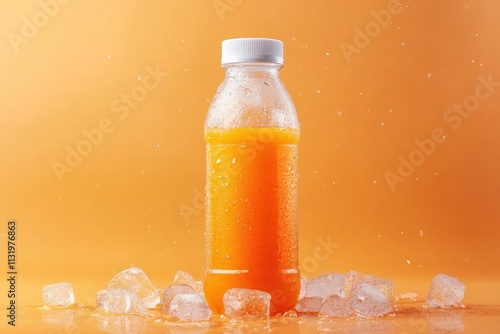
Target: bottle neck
{"type": "Point", "coordinates": [254, 70]}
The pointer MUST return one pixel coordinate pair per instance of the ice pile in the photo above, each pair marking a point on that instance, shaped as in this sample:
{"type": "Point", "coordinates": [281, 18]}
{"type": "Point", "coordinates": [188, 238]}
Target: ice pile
{"type": "Point", "coordinates": [319, 288]}
{"type": "Point", "coordinates": [385, 286]}
{"type": "Point", "coordinates": [135, 280]}
{"type": "Point", "coordinates": [246, 303]}
{"type": "Point", "coordinates": [131, 292]}
{"type": "Point", "coordinates": [445, 291]}
{"type": "Point", "coordinates": [336, 306]}
{"type": "Point", "coordinates": [309, 305]}
{"type": "Point", "coordinates": [189, 307]}
{"type": "Point", "coordinates": [339, 295]}
{"type": "Point", "coordinates": [182, 302]}
{"type": "Point", "coordinates": [182, 277]}
{"type": "Point", "coordinates": [120, 301]}
{"type": "Point", "coordinates": [366, 300]}
{"type": "Point", "coordinates": [58, 294]}
{"type": "Point", "coordinates": [328, 284]}
{"type": "Point", "coordinates": [172, 291]}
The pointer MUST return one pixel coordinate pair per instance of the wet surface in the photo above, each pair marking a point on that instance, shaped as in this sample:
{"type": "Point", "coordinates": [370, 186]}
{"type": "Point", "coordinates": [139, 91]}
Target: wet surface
{"type": "Point", "coordinates": [408, 318]}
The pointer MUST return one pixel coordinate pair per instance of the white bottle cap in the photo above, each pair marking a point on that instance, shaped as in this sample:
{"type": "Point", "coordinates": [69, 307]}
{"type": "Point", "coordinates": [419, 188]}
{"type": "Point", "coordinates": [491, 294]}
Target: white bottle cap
{"type": "Point", "coordinates": [252, 50]}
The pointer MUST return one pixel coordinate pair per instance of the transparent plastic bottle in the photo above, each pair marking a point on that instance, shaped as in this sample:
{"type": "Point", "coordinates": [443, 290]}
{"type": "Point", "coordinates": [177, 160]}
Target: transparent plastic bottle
{"type": "Point", "coordinates": [252, 134]}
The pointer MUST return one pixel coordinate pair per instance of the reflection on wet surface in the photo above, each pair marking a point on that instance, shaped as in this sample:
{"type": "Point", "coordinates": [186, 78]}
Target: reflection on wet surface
{"type": "Point", "coordinates": [411, 318]}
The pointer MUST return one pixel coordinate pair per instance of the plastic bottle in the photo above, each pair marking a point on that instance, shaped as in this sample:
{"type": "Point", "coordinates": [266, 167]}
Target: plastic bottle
{"type": "Point", "coordinates": [252, 134]}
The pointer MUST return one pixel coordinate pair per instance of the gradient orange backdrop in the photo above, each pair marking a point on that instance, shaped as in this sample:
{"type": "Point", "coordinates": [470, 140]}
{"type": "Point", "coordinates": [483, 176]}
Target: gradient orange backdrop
{"type": "Point", "coordinates": [361, 111]}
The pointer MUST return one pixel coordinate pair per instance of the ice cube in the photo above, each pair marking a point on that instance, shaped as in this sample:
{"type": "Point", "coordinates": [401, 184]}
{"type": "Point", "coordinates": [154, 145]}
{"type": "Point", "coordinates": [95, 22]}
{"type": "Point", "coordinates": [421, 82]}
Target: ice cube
{"type": "Point", "coordinates": [182, 277]}
{"type": "Point", "coordinates": [353, 279]}
{"type": "Point", "coordinates": [336, 306]}
{"type": "Point", "coordinates": [366, 300]}
{"type": "Point", "coordinates": [135, 280]}
{"type": "Point", "coordinates": [174, 290]}
{"type": "Point", "coordinates": [189, 307]}
{"type": "Point", "coordinates": [120, 301]}
{"type": "Point", "coordinates": [58, 294]}
{"type": "Point", "coordinates": [445, 291]}
{"type": "Point", "coordinates": [246, 303]}
{"type": "Point", "coordinates": [303, 283]}
{"type": "Point", "coordinates": [326, 285]}
{"type": "Point", "coordinates": [309, 305]}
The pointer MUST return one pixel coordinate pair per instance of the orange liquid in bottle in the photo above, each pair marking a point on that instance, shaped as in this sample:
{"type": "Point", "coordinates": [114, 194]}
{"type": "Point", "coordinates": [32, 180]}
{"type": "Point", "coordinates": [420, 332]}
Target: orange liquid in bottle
{"type": "Point", "coordinates": [251, 230]}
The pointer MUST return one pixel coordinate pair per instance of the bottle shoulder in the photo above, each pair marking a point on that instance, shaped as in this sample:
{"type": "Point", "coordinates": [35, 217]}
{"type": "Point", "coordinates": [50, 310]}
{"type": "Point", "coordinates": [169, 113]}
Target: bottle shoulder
{"type": "Point", "coordinates": [252, 102]}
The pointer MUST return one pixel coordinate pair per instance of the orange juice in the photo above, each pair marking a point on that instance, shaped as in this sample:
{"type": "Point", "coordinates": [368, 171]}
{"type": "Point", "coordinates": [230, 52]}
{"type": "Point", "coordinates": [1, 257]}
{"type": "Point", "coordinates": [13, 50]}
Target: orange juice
{"type": "Point", "coordinates": [252, 214]}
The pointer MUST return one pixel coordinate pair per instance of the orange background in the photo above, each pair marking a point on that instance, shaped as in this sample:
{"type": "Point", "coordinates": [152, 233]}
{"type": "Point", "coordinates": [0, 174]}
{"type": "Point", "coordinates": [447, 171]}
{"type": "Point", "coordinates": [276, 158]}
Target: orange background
{"type": "Point", "coordinates": [121, 204]}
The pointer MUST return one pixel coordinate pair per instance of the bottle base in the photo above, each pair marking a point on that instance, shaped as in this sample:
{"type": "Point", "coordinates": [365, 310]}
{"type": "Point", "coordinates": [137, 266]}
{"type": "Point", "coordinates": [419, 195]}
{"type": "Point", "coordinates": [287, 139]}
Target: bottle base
{"type": "Point", "coordinates": [284, 287]}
